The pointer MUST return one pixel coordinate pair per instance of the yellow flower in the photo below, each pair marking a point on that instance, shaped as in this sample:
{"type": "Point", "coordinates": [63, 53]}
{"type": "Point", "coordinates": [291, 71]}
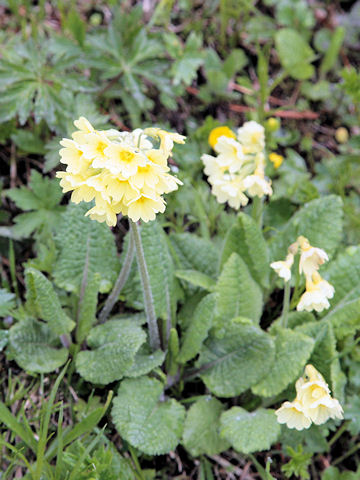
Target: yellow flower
{"type": "Point", "coordinates": [73, 156]}
{"type": "Point", "coordinates": [84, 127]}
{"type": "Point", "coordinates": [230, 154]}
{"type": "Point", "coordinates": [146, 175]}
{"type": "Point", "coordinates": [252, 136]}
{"type": "Point", "coordinates": [311, 257]}
{"type": "Point", "coordinates": [218, 132]}
{"type": "Point", "coordinates": [77, 183]}
{"type": "Point", "coordinates": [167, 183]}
{"type": "Point", "coordinates": [212, 168]}
{"type": "Point", "coordinates": [292, 413]}
{"type": "Point", "coordinates": [314, 395]}
{"type": "Point", "coordinates": [239, 165]}
{"type": "Point", "coordinates": [276, 159]}
{"type": "Point", "coordinates": [122, 171]}
{"type": "Point", "coordinates": [145, 207]}
{"type": "Point", "coordinates": [119, 189]}
{"type": "Point", "coordinates": [104, 211]}
{"type": "Point", "coordinates": [257, 185]}
{"type": "Point", "coordinates": [158, 157]}
{"type": "Point", "coordinates": [167, 139]}
{"type": "Point", "coordinates": [313, 402]}
{"type": "Point", "coordinates": [95, 145]}
{"type": "Point", "coordinates": [121, 159]}
{"type": "Point", "coordinates": [230, 190]}
{"type": "Point", "coordinates": [316, 295]}
{"type": "Point", "coordinates": [283, 268]}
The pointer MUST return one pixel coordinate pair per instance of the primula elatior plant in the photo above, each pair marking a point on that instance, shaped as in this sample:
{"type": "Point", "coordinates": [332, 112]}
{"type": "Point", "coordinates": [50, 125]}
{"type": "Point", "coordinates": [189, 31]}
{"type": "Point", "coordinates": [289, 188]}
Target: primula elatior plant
{"type": "Point", "coordinates": [318, 290]}
{"type": "Point", "coordinates": [313, 402]}
{"type": "Point", "coordinates": [152, 331]}
{"type": "Point", "coordinates": [122, 171]}
{"type": "Point", "coordinates": [239, 166]}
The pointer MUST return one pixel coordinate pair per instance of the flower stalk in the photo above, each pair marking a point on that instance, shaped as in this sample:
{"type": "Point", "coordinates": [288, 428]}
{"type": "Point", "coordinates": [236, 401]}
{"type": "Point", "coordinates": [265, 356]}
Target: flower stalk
{"type": "Point", "coordinates": [145, 282]}
{"type": "Point", "coordinates": [257, 211]}
{"type": "Point", "coordinates": [286, 305]}
{"type": "Point", "coordinates": [120, 282]}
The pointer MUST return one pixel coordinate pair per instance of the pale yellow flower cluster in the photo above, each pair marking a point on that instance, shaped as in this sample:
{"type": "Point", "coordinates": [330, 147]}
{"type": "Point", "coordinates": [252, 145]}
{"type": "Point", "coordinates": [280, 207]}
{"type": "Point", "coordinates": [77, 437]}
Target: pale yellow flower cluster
{"type": "Point", "coordinates": [313, 402]}
{"type": "Point", "coordinates": [122, 171]}
{"type": "Point", "coordinates": [318, 290]}
{"type": "Point", "coordinates": [239, 166]}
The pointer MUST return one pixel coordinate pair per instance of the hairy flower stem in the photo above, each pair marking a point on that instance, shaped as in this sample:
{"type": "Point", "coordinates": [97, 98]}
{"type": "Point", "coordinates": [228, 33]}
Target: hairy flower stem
{"type": "Point", "coordinates": [120, 282]}
{"type": "Point", "coordinates": [257, 211]}
{"type": "Point", "coordinates": [286, 305]}
{"type": "Point", "coordinates": [145, 282]}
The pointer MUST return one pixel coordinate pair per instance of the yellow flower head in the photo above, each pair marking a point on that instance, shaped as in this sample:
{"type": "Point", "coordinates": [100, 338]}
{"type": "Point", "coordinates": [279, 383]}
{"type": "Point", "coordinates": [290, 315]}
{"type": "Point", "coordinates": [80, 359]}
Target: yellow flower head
{"type": "Point", "coordinates": [239, 166]}
{"type": "Point", "coordinates": [276, 159]}
{"type": "Point", "coordinates": [292, 413]}
{"type": "Point", "coordinates": [252, 136]}
{"type": "Point", "coordinates": [218, 132]}
{"type": "Point", "coordinates": [283, 267]}
{"type": "Point", "coordinates": [311, 257]}
{"type": "Point", "coordinates": [313, 402]}
{"type": "Point", "coordinates": [316, 294]}
{"type": "Point", "coordinates": [167, 139]}
{"type": "Point", "coordinates": [122, 171]}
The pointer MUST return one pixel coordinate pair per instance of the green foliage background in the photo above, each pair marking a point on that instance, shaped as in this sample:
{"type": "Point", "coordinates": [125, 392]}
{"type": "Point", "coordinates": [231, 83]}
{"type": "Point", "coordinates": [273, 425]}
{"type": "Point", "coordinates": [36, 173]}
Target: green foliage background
{"type": "Point", "coordinates": [204, 404]}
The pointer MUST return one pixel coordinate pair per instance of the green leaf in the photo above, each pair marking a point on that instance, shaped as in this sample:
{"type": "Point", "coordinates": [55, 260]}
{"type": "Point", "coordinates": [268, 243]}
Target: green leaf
{"type": "Point", "coordinates": [319, 220]}
{"type": "Point", "coordinates": [28, 142]}
{"type": "Point", "coordinates": [249, 431]}
{"type": "Point", "coordinates": [245, 239]}
{"type": "Point", "coordinates": [352, 413]}
{"type": "Point", "coordinates": [7, 302]}
{"type": "Point", "coordinates": [333, 473]}
{"type": "Point", "coordinates": [194, 253]}
{"type": "Point", "coordinates": [201, 429]}
{"type": "Point", "coordinates": [27, 223]}
{"type": "Point", "coordinates": [345, 318]}
{"type": "Point", "coordinates": [114, 345]}
{"type": "Point", "coordinates": [35, 347]}
{"type": "Point", "coordinates": [43, 192]}
{"type": "Point", "coordinates": [235, 62]}
{"type": "Point", "coordinates": [160, 267]}
{"type": "Point", "coordinates": [295, 53]}
{"type": "Point", "coordinates": [42, 196]}
{"type": "Point", "coordinates": [76, 25]}
{"type": "Point", "coordinates": [185, 67]}
{"type": "Point", "coordinates": [77, 239]}
{"type": "Point", "coordinates": [85, 426]}
{"type": "Point", "coordinates": [42, 299]}
{"type": "Point", "coordinates": [198, 328]}
{"type": "Point", "coordinates": [144, 362]}
{"type": "Point", "coordinates": [152, 425]}
{"type": "Point", "coordinates": [292, 350]}
{"type": "Point", "coordinates": [196, 278]}
{"type": "Point", "coordinates": [238, 294]}
{"type": "Point", "coordinates": [325, 346]}
{"type": "Point", "coordinates": [17, 427]}
{"type": "Point", "coordinates": [344, 274]}
{"type": "Point", "coordinates": [238, 360]}
{"type": "Point", "coordinates": [24, 198]}
{"type": "Point", "coordinates": [298, 464]}
{"type": "Point", "coordinates": [332, 52]}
